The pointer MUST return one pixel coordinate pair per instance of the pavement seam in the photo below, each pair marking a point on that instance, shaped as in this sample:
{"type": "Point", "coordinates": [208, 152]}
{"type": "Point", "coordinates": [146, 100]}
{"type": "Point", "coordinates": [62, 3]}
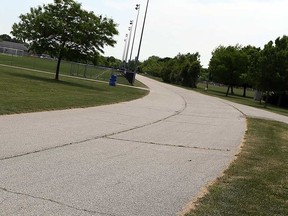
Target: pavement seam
{"type": "Point", "coordinates": [53, 201]}
{"type": "Point", "coordinates": [99, 137]}
{"type": "Point", "coordinates": [244, 115]}
{"type": "Point", "coordinates": [169, 145]}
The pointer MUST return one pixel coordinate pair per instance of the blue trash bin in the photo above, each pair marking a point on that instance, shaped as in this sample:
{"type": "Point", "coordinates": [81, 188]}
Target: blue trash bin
{"type": "Point", "coordinates": [113, 80]}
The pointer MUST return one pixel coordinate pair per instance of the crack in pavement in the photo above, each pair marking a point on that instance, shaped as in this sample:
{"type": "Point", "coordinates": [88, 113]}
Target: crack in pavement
{"type": "Point", "coordinates": [55, 202]}
{"type": "Point", "coordinates": [99, 137]}
{"type": "Point", "coordinates": [244, 115]}
{"type": "Point", "coordinates": [169, 145]}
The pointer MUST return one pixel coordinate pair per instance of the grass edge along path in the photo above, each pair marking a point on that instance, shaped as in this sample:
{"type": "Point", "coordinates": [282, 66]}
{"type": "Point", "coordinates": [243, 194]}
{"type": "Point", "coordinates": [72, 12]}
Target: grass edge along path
{"type": "Point", "coordinates": [220, 91]}
{"type": "Point", "coordinates": [23, 91]}
{"type": "Point", "coordinates": [256, 182]}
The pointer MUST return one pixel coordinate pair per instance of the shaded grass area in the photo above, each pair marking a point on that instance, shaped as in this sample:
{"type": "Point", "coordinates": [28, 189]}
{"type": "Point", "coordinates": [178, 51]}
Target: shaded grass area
{"type": "Point", "coordinates": [220, 91]}
{"type": "Point", "coordinates": [66, 68]}
{"type": "Point", "coordinates": [28, 91]}
{"type": "Point", "coordinates": [256, 183]}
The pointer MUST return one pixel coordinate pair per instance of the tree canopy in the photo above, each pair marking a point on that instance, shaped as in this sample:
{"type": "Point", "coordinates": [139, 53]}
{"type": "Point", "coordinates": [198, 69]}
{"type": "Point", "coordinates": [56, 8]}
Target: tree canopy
{"type": "Point", "coordinates": [64, 30]}
{"type": "Point", "coordinates": [227, 64]}
{"type": "Point", "coordinates": [263, 69]}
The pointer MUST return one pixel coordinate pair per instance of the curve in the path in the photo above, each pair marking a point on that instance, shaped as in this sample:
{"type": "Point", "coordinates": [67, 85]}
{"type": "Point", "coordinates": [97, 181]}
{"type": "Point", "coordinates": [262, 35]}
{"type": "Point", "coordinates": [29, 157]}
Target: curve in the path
{"type": "Point", "coordinates": [150, 156]}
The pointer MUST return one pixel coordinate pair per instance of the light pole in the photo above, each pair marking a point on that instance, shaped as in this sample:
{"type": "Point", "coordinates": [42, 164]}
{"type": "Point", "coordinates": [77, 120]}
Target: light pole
{"type": "Point", "coordinates": [138, 9]}
{"type": "Point", "coordinates": [124, 52]}
{"type": "Point", "coordinates": [137, 57]}
{"type": "Point", "coordinates": [129, 39]}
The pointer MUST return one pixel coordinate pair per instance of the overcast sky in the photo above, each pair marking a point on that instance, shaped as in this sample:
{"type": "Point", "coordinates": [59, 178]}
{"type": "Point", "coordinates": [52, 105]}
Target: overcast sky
{"type": "Point", "coordinates": [179, 26]}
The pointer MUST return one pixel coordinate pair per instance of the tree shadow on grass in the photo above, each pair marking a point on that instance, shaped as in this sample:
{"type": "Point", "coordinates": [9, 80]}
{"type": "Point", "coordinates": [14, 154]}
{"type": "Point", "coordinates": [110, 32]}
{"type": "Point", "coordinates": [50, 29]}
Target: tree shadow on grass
{"type": "Point", "coordinates": [52, 80]}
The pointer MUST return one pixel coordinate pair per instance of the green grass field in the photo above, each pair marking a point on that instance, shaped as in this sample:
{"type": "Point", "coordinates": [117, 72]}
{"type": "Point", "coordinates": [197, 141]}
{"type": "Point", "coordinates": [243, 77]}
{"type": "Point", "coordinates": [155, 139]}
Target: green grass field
{"type": "Point", "coordinates": [220, 91]}
{"type": "Point", "coordinates": [256, 183]}
{"type": "Point", "coordinates": [66, 68]}
{"type": "Point", "coordinates": [28, 91]}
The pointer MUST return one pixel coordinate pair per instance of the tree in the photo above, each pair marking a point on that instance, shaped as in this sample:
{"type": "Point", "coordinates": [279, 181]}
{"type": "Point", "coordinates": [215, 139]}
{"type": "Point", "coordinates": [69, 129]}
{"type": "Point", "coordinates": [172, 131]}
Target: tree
{"type": "Point", "coordinates": [153, 66]}
{"type": "Point", "coordinates": [249, 76]}
{"type": "Point", "coordinates": [227, 64]}
{"type": "Point", "coordinates": [190, 73]}
{"type": "Point", "coordinates": [5, 37]}
{"type": "Point", "coordinates": [273, 68]}
{"type": "Point", "coordinates": [63, 29]}
{"type": "Point", "coordinates": [183, 69]}
{"type": "Point", "coordinates": [205, 75]}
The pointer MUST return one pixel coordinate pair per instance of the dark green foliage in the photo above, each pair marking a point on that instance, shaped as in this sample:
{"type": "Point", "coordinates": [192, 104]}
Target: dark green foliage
{"type": "Point", "coordinates": [189, 74]}
{"type": "Point", "coordinates": [265, 70]}
{"type": "Point", "coordinates": [272, 75]}
{"type": "Point", "coordinates": [5, 37]}
{"type": "Point", "coordinates": [64, 30]}
{"type": "Point", "coordinates": [249, 76]}
{"type": "Point", "coordinates": [227, 64]}
{"type": "Point", "coordinates": [182, 70]}
{"type": "Point", "coordinates": [153, 66]}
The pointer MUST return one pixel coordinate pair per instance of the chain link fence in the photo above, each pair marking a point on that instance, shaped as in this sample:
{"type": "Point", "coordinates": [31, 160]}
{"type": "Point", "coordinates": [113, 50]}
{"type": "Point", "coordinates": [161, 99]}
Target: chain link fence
{"type": "Point", "coordinates": [47, 64]}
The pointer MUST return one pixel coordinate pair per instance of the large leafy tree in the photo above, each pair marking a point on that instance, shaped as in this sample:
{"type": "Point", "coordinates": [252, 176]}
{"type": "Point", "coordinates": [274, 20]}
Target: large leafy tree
{"type": "Point", "coordinates": [227, 64]}
{"type": "Point", "coordinates": [183, 69]}
{"type": "Point", "coordinates": [273, 68]}
{"type": "Point", "coordinates": [63, 29]}
{"type": "Point", "coordinates": [190, 68]}
{"type": "Point", "coordinates": [153, 66]}
{"type": "Point", "coordinates": [5, 37]}
{"type": "Point", "coordinates": [249, 76]}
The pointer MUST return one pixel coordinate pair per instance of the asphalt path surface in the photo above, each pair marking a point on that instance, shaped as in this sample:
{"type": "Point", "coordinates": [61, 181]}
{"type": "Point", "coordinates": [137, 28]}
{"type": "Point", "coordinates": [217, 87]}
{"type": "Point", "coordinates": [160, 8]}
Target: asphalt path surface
{"type": "Point", "coordinates": [149, 156]}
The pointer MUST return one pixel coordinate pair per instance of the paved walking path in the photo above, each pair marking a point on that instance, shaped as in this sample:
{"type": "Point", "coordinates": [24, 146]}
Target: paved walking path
{"type": "Point", "coordinates": [148, 157]}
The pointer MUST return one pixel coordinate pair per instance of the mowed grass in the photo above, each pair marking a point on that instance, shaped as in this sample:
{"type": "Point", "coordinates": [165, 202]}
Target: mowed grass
{"type": "Point", "coordinates": [256, 183]}
{"type": "Point", "coordinates": [28, 91]}
{"type": "Point", "coordinates": [220, 91]}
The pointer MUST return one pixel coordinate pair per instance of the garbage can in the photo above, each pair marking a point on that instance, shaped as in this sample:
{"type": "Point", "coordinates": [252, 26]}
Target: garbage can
{"type": "Point", "coordinates": [113, 80]}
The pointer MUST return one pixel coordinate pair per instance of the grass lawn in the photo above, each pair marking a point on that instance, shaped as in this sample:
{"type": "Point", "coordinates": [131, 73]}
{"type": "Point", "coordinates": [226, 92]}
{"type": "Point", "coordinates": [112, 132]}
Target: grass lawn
{"type": "Point", "coordinates": [256, 183]}
{"type": "Point", "coordinates": [219, 91]}
{"type": "Point", "coordinates": [66, 68]}
{"type": "Point", "coordinates": [28, 91]}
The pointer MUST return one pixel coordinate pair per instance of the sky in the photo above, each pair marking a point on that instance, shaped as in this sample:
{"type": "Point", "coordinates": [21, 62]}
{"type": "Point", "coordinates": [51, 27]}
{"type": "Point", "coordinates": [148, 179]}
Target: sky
{"type": "Point", "coordinates": [178, 26]}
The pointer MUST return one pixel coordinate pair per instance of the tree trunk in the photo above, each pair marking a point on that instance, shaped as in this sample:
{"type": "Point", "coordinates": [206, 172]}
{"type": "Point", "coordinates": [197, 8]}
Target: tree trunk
{"type": "Point", "coordinates": [279, 102]}
{"type": "Point", "coordinates": [58, 67]}
{"type": "Point", "coordinates": [266, 99]}
{"type": "Point", "coordinates": [60, 56]}
{"type": "Point", "coordinates": [244, 90]}
{"type": "Point", "coordinates": [232, 90]}
{"type": "Point", "coordinates": [227, 90]}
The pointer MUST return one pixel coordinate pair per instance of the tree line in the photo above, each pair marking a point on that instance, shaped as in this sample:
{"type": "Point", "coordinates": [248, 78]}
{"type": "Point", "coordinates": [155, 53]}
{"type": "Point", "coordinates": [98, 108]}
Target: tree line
{"type": "Point", "coordinates": [64, 30]}
{"type": "Point", "coordinates": [183, 69]}
{"type": "Point", "coordinates": [263, 69]}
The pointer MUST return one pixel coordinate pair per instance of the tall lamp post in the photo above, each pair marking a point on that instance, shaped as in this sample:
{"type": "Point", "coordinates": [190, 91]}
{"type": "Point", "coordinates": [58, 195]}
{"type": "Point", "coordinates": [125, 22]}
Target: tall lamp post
{"type": "Point", "coordinates": [124, 52]}
{"type": "Point", "coordinates": [138, 9]}
{"type": "Point", "coordinates": [137, 57]}
{"type": "Point", "coordinates": [129, 39]}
